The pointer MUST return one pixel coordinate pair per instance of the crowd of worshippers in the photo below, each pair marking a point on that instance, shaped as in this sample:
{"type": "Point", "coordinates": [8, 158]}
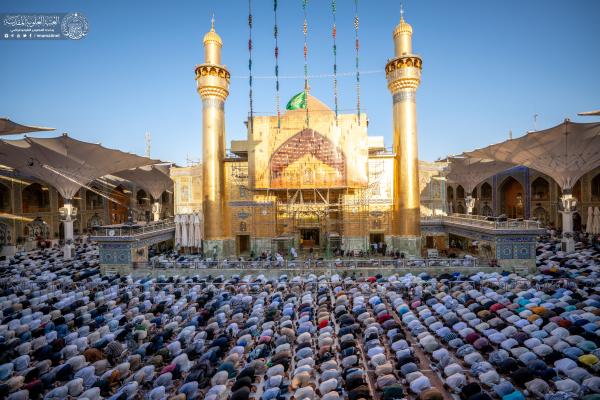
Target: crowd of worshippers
{"type": "Point", "coordinates": [69, 332]}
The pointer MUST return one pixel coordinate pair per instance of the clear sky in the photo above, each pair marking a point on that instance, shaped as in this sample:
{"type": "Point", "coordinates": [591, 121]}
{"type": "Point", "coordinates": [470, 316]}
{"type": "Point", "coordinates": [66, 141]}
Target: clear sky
{"type": "Point", "coordinates": [488, 67]}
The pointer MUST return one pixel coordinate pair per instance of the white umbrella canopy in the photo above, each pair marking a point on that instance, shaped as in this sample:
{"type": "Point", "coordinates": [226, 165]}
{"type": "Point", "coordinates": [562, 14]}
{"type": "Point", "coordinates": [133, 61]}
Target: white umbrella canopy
{"type": "Point", "coordinates": [177, 221]}
{"type": "Point", "coordinates": [470, 172]}
{"type": "Point", "coordinates": [8, 127]}
{"type": "Point", "coordinates": [197, 230]}
{"type": "Point", "coordinates": [184, 230]}
{"type": "Point", "coordinates": [66, 163]}
{"type": "Point", "coordinates": [149, 177]}
{"type": "Point", "coordinates": [596, 223]}
{"type": "Point", "coordinates": [590, 220]}
{"type": "Point", "coordinates": [564, 152]}
{"type": "Point", "coordinates": [191, 231]}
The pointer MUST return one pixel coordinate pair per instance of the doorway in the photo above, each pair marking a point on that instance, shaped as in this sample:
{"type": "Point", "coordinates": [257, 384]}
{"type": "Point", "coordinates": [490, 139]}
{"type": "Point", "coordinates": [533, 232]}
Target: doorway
{"type": "Point", "coordinates": [243, 244]}
{"type": "Point", "coordinates": [309, 237]}
{"type": "Point", "coordinates": [375, 238]}
{"type": "Point", "coordinates": [512, 200]}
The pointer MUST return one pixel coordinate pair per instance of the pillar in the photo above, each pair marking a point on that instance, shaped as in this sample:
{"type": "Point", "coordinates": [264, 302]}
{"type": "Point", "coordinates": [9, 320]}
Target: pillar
{"type": "Point", "coordinates": [568, 209]}
{"type": "Point", "coordinates": [403, 74]}
{"type": "Point", "coordinates": [213, 87]}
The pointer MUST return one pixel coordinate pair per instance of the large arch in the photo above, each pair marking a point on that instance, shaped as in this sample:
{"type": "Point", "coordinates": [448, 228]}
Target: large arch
{"type": "Point", "coordinates": [576, 191]}
{"type": "Point", "coordinates": [450, 199]}
{"type": "Point", "coordinates": [308, 142]}
{"type": "Point", "coordinates": [5, 198]}
{"type": "Point", "coordinates": [595, 188]}
{"type": "Point", "coordinates": [35, 198]}
{"type": "Point", "coordinates": [460, 192]}
{"type": "Point", "coordinates": [164, 197]}
{"type": "Point", "coordinates": [486, 191]}
{"type": "Point", "coordinates": [450, 193]}
{"type": "Point", "coordinates": [165, 208]}
{"type": "Point", "coordinates": [540, 189]}
{"type": "Point", "coordinates": [94, 201]}
{"type": "Point", "coordinates": [118, 209]}
{"type": "Point", "coordinates": [511, 198]}
{"type": "Point", "coordinates": [487, 211]}
{"type": "Point", "coordinates": [142, 198]}
{"type": "Point", "coordinates": [540, 214]}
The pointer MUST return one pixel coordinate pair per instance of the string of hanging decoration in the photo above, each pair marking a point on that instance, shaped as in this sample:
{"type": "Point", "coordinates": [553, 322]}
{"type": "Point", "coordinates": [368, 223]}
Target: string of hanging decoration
{"type": "Point", "coordinates": [357, 46]}
{"type": "Point", "coordinates": [276, 36]}
{"type": "Point", "coordinates": [251, 122]}
{"type": "Point", "coordinates": [335, 83]}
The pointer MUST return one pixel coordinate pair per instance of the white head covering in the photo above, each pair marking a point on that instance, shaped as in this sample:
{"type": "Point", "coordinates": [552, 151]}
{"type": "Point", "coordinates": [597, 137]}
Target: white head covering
{"type": "Point", "coordinates": [75, 386]}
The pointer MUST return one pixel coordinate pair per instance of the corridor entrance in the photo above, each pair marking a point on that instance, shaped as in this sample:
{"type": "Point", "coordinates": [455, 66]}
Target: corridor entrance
{"type": "Point", "coordinates": [309, 237]}
{"type": "Point", "coordinates": [243, 244]}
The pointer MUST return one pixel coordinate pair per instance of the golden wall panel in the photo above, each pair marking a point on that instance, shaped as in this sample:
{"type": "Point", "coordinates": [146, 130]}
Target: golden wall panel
{"type": "Point", "coordinates": [346, 141]}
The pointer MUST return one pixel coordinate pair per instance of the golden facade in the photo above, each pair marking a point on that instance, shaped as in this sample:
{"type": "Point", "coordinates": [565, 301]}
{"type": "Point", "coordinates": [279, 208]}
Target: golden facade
{"type": "Point", "coordinates": [310, 179]}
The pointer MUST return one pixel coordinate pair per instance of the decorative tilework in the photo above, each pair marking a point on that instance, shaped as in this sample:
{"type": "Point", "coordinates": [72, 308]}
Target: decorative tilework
{"type": "Point", "coordinates": [212, 102]}
{"type": "Point", "coordinates": [522, 251]}
{"type": "Point", "coordinates": [115, 253]}
{"type": "Point", "coordinates": [403, 96]}
{"type": "Point", "coordinates": [504, 251]}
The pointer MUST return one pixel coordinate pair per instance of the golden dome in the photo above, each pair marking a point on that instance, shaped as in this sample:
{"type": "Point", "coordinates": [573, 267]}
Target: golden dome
{"type": "Point", "coordinates": [212, 36]}
{"type": "Point", "coordinates": [403, 27]}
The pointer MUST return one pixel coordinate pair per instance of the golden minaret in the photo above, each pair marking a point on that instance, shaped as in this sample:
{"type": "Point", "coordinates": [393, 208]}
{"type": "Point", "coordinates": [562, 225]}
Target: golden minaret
{"type": "Point", "coordinates": [212, 80]}
{"type": "Point", "coordinates": [403, 74]}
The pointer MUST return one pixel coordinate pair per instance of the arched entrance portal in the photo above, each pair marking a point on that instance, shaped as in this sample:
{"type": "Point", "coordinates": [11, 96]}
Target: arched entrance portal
{"type": "Point", "coordinates": [450, 199]}
{"type": "Point", "coordinates": [4, 198]}
{"type": "Point", "coordinates": [308, 159]}
{"type": "Point", "coordinates": [117, 209]}
{"type": "Point", "coordinates": [540, 189]}
{"type": "Point", "coordinates": [486, 191]}
{"type": "Point", "coordinates": [35, 198]}
{"type": "Point", "coordinates": [511, 197]}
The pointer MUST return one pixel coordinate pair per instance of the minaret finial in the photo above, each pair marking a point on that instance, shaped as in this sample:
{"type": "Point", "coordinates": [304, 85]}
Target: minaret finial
{"type": "Point", "coordinates": [401, 10]}
{"type": "Point", "coordinates": [212, 23]}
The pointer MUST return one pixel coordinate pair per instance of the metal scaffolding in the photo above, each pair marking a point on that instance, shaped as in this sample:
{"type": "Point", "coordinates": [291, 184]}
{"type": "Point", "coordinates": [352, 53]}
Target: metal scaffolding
{"type": "Point", "coordinates": [281, 214]}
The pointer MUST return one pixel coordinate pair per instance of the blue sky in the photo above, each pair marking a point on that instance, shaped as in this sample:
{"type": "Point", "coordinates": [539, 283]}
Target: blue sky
{"type": "Point", "coordinates": [489, 66]}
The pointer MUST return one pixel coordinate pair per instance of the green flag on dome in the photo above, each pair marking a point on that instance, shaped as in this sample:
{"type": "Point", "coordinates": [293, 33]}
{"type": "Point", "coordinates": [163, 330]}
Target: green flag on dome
{"type": "Point", "coordinates": [296, 102]}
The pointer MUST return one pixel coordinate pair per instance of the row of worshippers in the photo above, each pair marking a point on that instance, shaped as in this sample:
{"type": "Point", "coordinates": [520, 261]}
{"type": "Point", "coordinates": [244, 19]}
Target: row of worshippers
{"type": "Point", "coordinates": [513, 342]}
{"type": "Point", "coordinates": [67, 331]}
{"type": "Point", "coordinates": [292, 363]}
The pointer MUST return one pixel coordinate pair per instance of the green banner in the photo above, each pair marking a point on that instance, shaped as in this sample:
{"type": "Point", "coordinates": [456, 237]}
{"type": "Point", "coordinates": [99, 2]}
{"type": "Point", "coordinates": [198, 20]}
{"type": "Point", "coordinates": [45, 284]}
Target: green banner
{"type": "Point", "coordinates": [296, 102]}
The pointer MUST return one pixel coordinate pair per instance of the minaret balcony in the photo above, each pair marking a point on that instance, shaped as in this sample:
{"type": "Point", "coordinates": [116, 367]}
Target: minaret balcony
{"type": "Point", "coordinates": [211, 70]}
{"type": "Point", "coordinates": [404, 72]}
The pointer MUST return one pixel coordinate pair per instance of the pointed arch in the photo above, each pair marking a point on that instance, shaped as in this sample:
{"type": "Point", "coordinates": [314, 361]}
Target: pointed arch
{"type": "Point", "coordinates": [449, 193]}
{"type": "Point", "coordinates": [595, 187]}
{"type": "Point", "coordinates": [512, 198]}
{"type": "Point", "coordinates": [540, 189]}
{"type": "Point", "coordinates": [486, 191]}
{"type": "Point", "coordinates": [35, 198]}
{"type": "Point", "coordinates": [308, 142]}
{"type": "Point", "coordinates": [5, 198]}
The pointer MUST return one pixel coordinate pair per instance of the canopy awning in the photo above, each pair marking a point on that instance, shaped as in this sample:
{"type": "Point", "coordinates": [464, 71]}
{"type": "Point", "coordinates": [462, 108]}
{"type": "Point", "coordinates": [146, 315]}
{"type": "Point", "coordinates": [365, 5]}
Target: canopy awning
{"type": "Point", "coordinates": [565, 152]}
{"type": "Point", "coordinates": [590, 113]}
{"type": "Point", "coordinates": [470, 172]}
{"type": "Point", "coordinates": [151, 178]}
{"type": "Point", "coordinates": [66, 163]}
{"type": "Point", "coordinates": [8, 127]}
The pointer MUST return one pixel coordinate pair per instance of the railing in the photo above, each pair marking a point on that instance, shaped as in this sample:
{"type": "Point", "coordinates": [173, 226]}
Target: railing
{"type": "Point", "coordinates": [484, 222]}
{"type": "Point", "coordinates": [325, 264]}
{"type": "Point", "coordinates": [133, 230]}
